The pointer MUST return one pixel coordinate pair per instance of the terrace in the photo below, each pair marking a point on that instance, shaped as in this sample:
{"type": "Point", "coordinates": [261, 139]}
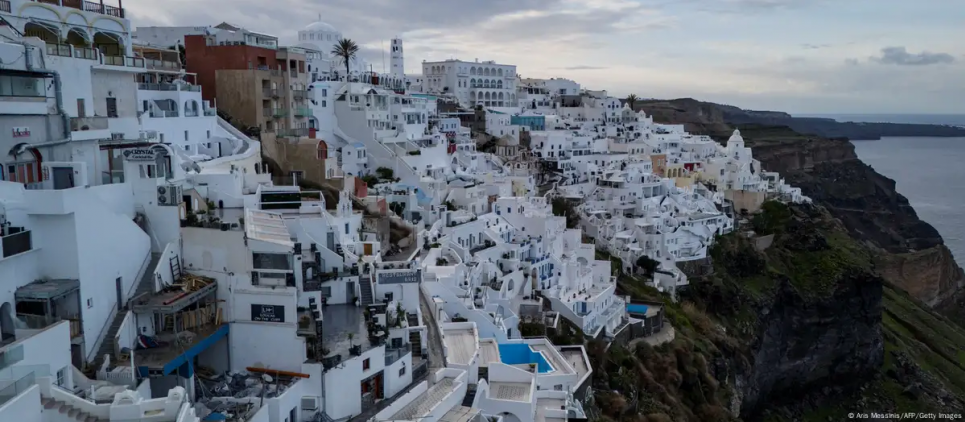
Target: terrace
{"type": "Point", "coordinates": [89, 6]}
{"type": "Point", "coordinates": [344, 333]}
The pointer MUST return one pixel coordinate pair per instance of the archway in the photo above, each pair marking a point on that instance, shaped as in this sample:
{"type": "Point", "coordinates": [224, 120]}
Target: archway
{"type": "Point", "coordinates": [321, 150]}
{"type": "Point", "coordinates": [77, 38]}
{"type": "Point", "coordinates": [25, 166]}
{"type": "Point", "coordinates": [7, 327]}
{"type": "Point", "coordinates": [47, 33]}
{"type": "Point", "coordinates": [108, 44]}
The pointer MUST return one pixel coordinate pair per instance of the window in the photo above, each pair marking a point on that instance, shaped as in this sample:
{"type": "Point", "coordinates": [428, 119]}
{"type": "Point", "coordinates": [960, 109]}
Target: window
{"type": "Point", "coordinates": [90, 303]}
{"type": "Point", "coordinates": [326, 291]}
{"type": "Point", "coordinates": [62, 376]}
{"type": "Point", "coordinates": [366, 365]}
{"type": "Point", "coordinates": [81, 110]}
{"type": "Point", "coordinates": [346, 228]}
{"type": "Point", "coordinates": [209, 136]}
{"type": "Point", "coordinates": [185, 135]}
{"type": "Point", "coordinates": [402, 370]}
{"type": "Point", "coordinates": [271, 261]}
{"type": "Point", "coordinates": [112, 107]}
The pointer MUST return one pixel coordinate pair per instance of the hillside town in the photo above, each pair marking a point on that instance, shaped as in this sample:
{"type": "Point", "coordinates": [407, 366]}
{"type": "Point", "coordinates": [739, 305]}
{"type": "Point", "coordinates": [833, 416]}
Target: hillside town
{"type": "Point", "coordinates": [365, 247]}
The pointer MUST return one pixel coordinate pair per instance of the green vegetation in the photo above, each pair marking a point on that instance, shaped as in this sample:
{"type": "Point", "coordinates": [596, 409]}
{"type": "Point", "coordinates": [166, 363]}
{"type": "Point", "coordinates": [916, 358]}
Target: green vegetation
{"type": "Point", "coordinates": [384, 173]}
{"type": "Point", "coordinates": [563, 208]}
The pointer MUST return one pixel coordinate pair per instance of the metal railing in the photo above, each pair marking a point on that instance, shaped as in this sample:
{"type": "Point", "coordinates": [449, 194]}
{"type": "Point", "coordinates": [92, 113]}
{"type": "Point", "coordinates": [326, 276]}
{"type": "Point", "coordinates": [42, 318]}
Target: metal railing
{"type": "Point", "coordinates": [86, 53]}
{"type": "Point", "coordinates": [266, 112]}
{"type": "Point", "coordinates": [164, 113]}
{"type": "Point", "coordinates": [162, 64]}
{"type": "Point", "coordinates": [279, 112]}
{"type": "Point", "coordinates": [211, 112]}
{"type": "Point", "coordinates": [299, 93]}
{"type": "Point", "coordinates": [269, 92]}
{"type": "Point", "coordinates": [302, 111]}
{"type": "Point", "coordinates": [122, 61]}
{"type": "Point", "coordinates": [61, 50]}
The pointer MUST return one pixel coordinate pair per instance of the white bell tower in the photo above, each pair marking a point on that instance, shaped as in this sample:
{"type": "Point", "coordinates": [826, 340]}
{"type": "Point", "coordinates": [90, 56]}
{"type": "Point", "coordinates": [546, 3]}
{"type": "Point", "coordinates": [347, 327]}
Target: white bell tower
{"type": "Point", "coordinates": [397, 60]}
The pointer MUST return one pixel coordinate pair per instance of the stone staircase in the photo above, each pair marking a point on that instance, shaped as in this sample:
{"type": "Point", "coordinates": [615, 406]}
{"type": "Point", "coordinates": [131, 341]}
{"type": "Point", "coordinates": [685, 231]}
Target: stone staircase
{"type": "Point", "coordinates": [70, 413]}
{"type": "Point", "coordinates": [470, 395]}
{"type": "Point", "coordinates": [416, 341]}
{"type": "Point", "coordinates": [145, 285]}
{"type": "Point", "coordinates": [365, 286]}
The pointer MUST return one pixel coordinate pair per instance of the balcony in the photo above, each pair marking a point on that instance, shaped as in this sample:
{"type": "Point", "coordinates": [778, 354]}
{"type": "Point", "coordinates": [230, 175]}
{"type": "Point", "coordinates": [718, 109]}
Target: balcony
{"type": "Point", "coordinates": [168, 87]}
{"type": "Point", "coordinates": [293, 132]}
{"type": "Point", "coordinates": [162, 65]}
{"type": "Point", "coordinates": [15, 241]}
{"type": "Point", "coordinates": [88, 6]}
{"type": "Point", "coordinates": [163, 113]}
{"type": "Point", "coordinates": [299, 94]}
{"type": "Point", "coordinates": [279, 112]}
{"type": "Point", "coordinates": [302, 111]}
{"type": "Point", "coordinates": [272, 93]}
{"type": "Point", "coordinates": [15, 380]}
{"type": "Point", "coordinates": [78, 124]}
{"type": "Point", "coordinates": [60, 50]}
{"type": "Point", "coordinates": [123, 61]}
{"type": "Point", "coordinates": [266, 112]}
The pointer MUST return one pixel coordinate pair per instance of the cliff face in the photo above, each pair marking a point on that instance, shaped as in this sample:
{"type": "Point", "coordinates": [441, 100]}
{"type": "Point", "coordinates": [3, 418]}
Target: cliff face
{"type": "Point", "coordinates": [913, 255]}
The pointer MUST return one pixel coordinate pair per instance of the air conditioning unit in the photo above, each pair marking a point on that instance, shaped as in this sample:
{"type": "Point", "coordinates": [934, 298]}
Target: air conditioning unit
{"type": "Point", "coordinates": [309, 403]}
{"type": "Point", "coordinates": [169, 195]}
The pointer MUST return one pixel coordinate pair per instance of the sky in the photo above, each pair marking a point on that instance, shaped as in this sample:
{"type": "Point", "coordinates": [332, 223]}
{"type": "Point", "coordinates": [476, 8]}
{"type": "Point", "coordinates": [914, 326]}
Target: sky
{"type": "Point", "coordinates": [798, 56]}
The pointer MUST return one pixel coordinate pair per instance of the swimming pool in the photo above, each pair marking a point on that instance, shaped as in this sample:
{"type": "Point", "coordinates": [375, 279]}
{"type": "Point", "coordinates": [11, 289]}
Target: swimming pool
{"type": "Point", "coordinates": [634, 308]}
{"type": "Point", "coordinates": [521, 354]}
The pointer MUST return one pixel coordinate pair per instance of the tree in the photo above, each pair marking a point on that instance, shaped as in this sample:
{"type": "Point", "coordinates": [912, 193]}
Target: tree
{"type": "Point", "coordinates": [647, 265]}
{"type": "Point", "coordinates": [631, 100]}
{"type": "Point", "coordinates": [346, 49]}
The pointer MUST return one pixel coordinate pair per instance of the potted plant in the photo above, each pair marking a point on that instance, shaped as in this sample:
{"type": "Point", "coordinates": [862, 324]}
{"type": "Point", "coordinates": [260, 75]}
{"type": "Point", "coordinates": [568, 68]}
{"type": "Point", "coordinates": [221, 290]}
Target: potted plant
{"type": "Point", "coordinates": [304, 322]}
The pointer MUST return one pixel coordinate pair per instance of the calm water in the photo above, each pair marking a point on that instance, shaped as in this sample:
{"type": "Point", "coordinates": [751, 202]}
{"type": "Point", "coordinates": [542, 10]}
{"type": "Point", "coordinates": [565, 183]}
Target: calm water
{"type": "Point", "coordinates": [930, 172]}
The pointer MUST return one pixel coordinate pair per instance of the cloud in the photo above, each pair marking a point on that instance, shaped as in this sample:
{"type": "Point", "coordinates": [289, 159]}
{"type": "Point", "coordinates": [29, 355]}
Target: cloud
{"type": "Point", "coordinates": [583, 67]}
{"type": "Point", "coordinates": [900, 56]}
{"type": "Point", "coordinates": [815, 46]}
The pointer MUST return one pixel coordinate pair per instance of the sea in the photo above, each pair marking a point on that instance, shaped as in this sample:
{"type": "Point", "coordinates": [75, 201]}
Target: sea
{"type": "Point", "coordinates": [930, 172]}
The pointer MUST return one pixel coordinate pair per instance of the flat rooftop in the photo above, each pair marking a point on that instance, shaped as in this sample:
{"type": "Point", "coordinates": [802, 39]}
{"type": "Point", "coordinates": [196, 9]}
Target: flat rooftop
{"type": "Point", "coordinates": [188, 290]}
{"type": "Point", "coordinates": [513, 391]}
{"type": "Point", "coordinates": [267, 227]}
{"type": "Point", "coordinates": [461, 344]}
{"type": "Point", "coordinates": [575, 358]}
{"type": "Point", "coordinates": [460, 414]}
{"type": "Point", "coordinates": [553, 356]}
{"type": "Point", "coordinates": [489, 351]}
{"type": "Point", "coordinates": [422, 404]}
{"type": "Point", "coordinates": [338, 321]}
{"type": "Point", "coordinates": [543, 404]}
{"type": "Point", "coordinates": [47, 289]}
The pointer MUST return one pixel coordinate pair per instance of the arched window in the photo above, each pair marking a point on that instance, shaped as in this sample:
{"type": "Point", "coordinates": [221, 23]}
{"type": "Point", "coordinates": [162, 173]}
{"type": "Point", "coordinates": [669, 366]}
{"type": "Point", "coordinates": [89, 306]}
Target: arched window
{"type": "Point", "coordinates": [500, 72]}
{"type": "Point", "coordinates": [472, 70]}
{"type": "Point", "coordinates": [499, 84]}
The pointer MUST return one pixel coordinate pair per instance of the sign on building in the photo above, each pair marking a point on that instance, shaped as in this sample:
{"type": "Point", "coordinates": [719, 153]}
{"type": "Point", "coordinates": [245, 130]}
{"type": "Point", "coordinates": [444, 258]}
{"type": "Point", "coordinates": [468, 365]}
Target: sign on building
{"type": "Point", "coordinates": [140, 154]}
{"type": "Point", "coordinates": [21, 132]}
{"type": "Point", "coordinates": [267, 313]}
{"type": "Point", "coordinates": [399, 276]}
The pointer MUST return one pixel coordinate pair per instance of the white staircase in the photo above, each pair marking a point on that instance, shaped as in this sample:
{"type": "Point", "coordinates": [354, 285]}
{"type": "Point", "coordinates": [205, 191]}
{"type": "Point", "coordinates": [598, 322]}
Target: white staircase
{"type": "Point", "coordinates": [58, 411]}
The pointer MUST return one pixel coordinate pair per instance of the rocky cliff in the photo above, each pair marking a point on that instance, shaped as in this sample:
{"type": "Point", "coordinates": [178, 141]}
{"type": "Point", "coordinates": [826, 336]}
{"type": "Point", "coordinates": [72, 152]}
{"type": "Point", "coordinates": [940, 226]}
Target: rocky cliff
{"type": "Point", "coordinates": [913, 255]}
{"type": "Point", "coordinates": [803, 330]}
{"type": "Point", "coordinates": [828, 128]}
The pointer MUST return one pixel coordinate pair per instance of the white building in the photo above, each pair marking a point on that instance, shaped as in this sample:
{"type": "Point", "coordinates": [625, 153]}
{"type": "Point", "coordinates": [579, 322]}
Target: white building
{"type": "Point", "coordinates": [472, 83]}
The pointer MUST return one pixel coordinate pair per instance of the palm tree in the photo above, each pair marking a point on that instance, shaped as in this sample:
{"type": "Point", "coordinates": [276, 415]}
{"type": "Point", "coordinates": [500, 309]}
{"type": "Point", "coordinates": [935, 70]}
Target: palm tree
{"type": "Point", "coordinates": [631, 100]}
{"type": "Point", "coordinates": [346, 50]}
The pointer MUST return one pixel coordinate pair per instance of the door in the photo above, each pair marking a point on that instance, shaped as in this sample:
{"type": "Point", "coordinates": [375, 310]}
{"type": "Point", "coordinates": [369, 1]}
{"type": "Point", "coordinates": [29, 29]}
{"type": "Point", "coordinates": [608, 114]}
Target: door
{"type": "Point", "coordinates": [350, 292]}
{"type": "Point", "coordinates": [120, 293]}
{"type": "Point", "coordinates": [81, 110]}
{"type": "Point", "coordinates": [331, 241]}
{"type": "Point", "coordinates": [63, 177]}
{"type": "Point", "coordinates": [367, 249]}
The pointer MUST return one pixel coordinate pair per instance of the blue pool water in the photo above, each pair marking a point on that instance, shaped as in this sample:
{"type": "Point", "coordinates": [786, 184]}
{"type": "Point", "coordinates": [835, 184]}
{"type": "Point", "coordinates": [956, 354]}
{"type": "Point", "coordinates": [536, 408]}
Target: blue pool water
{"type": "Point", "coordinates": [521, 354]}
{"type": "Point", "coordinates": [636, 308]}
